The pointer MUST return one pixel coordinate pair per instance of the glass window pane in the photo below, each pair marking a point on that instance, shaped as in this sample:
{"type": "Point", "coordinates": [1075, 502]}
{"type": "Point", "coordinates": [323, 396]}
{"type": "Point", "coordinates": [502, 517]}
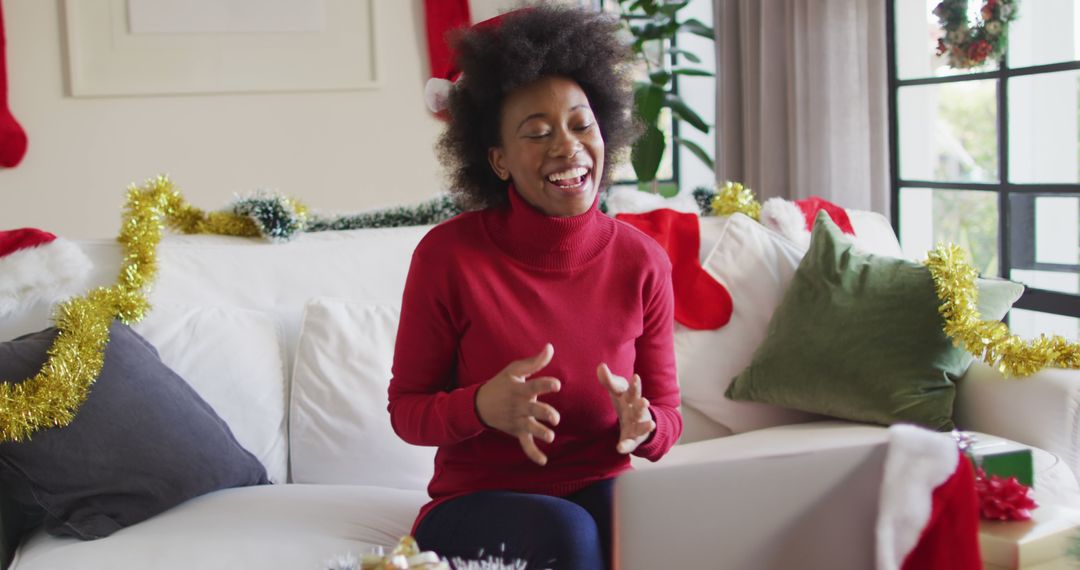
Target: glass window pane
{"type": "Point", "coordinates": [967, 218]}
{"type": "Point", "coordinates": [1030, 324]}
{"type": "Point", "coordinates": [948, 132]}
{"type": "Point", "coordinates": [1045, 32]}
{"type": "Point", "coordinates": [1045, 241]}
{"type": "Point", "coordinates": [917, 33]}
{"type": "Point", "coordinates": [1044, 138]}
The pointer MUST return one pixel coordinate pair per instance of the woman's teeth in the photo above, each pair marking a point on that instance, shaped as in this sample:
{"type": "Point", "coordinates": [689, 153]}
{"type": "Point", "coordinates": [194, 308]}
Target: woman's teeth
{"type": "Point", "coordinates": [569, 178]}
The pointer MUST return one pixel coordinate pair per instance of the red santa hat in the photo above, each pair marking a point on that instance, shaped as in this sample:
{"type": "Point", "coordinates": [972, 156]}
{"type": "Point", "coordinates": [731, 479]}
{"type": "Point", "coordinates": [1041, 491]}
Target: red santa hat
{"type": "Point", "coordinates": [38, 266]}
{"type": "Point", "coordinates": [795, 219]}
{"type": "Point", "coordinates": [928, 516]}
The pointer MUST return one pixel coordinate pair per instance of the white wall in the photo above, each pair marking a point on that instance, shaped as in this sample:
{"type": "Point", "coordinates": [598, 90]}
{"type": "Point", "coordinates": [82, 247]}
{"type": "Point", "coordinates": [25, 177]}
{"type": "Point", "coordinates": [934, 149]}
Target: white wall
{"type": "Point", "coordinates": [334, 151]}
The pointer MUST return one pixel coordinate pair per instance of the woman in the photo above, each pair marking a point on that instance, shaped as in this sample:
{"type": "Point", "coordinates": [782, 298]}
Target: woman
{"type": "Point", "coordinates": [522, 319]}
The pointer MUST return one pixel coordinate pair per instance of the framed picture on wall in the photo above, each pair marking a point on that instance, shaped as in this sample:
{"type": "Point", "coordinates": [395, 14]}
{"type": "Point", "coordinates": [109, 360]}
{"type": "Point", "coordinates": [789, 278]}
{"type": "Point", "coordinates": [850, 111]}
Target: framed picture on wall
{"type": "Point", "coordinates": [179, 47]}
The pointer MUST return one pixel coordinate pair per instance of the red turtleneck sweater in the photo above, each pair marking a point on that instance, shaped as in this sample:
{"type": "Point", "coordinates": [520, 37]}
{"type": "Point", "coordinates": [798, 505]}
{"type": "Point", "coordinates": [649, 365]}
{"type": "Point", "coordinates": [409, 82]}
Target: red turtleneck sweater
{"type": "Point", "coordinates": [490, 287]}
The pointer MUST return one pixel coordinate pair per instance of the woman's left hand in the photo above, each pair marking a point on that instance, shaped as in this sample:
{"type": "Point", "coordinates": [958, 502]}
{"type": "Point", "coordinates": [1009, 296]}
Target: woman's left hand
{"type": "Point", "coordinates": [635, 421]}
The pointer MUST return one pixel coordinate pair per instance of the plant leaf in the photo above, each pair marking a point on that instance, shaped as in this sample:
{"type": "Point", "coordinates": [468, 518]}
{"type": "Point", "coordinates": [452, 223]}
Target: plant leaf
{"type": "Point", "coordinates": [693, 72]}
{"type": "Point", "coordinates": [697, 28]}
{"type": "Point", "coordinates": [646, 153]}
{"type": "Point", "coordinates": [660, 78]}
{"type": "Point", "coordinates": [648, 99]}
{"type": "Point", "coordinates": [697, 151]}
{"type": "Point", "coordinates": [671, 8]}
{"type": "Point", "coordinates": [683, 111]}
{"type": "Point", "coordinates": [689, 55]}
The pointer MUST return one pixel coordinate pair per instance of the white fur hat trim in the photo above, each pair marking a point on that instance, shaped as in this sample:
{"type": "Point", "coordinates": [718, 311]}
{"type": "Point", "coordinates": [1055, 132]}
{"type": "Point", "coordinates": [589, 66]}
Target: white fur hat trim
{"type": "Point", "coordinates": [787, 219]}
{"type": "Point", "coordinates": [48, 272]}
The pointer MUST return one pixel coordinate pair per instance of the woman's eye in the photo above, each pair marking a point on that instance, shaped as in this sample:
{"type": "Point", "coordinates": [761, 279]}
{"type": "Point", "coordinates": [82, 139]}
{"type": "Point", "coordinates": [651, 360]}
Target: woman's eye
{"type": "Point", "coordinates": [537, 135]}
{"type": "Point", "coordinates": [584, 127]}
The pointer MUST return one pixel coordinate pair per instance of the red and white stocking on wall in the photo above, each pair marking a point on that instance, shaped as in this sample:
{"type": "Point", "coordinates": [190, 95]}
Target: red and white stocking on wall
{"type": "Point", "coordinates": [442, 17]}
{"type": "Point", "coordinates": [12, 135]}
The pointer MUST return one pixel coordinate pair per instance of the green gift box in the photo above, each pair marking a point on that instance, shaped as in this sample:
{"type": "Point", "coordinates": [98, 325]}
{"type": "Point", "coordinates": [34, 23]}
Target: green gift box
{"type": "Point", "coordinates": [1004, 459]}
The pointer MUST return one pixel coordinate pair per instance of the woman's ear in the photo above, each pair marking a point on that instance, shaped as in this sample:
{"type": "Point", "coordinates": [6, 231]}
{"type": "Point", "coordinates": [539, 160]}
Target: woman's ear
{"type": "Point", "coordinates": [496, 159]}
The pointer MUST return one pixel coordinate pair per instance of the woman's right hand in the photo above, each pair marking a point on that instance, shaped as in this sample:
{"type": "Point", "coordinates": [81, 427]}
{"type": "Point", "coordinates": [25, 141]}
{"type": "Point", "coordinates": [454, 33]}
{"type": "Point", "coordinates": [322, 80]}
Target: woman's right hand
{"type": "Point", "coordinates": [508, 402]}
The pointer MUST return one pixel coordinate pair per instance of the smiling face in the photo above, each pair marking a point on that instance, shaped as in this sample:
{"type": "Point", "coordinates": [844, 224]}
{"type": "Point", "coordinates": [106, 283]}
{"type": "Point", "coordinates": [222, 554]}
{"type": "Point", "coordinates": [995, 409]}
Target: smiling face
{"type": "Point", "coordinates": [550, 146]}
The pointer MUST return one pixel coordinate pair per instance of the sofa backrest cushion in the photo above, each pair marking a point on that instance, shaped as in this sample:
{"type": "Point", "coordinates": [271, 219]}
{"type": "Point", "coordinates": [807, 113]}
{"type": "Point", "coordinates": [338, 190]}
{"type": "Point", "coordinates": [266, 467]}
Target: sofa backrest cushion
{"type": "Point", "coordinates": [234, 359]}
{"type": "Point", "coordinates": [755, 264]}
{"type": "Point", "coordinates": [340, 429]}
{"type": "Point", "coordinates": [142, 442]}
{"type": "Point", "coordinates": [368, 265]}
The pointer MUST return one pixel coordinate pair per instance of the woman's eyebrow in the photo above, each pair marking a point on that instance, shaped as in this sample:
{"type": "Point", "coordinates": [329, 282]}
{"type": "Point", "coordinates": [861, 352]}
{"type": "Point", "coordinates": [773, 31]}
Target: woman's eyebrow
{"type": "Point", "coordinates": [542, 115]}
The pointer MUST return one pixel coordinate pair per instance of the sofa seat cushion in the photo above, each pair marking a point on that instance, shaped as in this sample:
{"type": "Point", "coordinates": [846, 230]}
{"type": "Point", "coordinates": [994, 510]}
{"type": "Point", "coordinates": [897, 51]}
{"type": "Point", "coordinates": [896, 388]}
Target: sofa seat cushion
{"type": "Point", "coordinates": [1054, 480]}
{"type": "Point", "coordinates": [269, 527]}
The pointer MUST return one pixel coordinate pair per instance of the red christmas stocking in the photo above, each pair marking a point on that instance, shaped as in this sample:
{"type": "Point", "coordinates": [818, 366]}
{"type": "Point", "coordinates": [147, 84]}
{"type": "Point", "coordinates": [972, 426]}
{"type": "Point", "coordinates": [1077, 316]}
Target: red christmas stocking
{"type": "Point", "coordinates": [950, 538]}
{"type": "Point", "coordinates": [701, 302]}
{"type": "Point", "coordinates": [928, 513]}
{"type": "Point", "coordinates": [12, 136]}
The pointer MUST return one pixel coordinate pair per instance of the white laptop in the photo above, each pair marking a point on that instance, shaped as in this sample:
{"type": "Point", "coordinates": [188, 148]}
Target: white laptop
{"type": "Point", "coordinates": [806, 510]}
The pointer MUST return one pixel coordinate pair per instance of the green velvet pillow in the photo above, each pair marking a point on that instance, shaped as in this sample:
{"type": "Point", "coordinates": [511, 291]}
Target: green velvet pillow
{"type": "Point", "coordinates": [859, 337]}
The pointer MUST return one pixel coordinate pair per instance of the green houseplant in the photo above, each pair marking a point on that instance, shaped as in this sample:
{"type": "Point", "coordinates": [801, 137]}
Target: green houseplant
{"type": "Point", "coordinates": [653, 25]}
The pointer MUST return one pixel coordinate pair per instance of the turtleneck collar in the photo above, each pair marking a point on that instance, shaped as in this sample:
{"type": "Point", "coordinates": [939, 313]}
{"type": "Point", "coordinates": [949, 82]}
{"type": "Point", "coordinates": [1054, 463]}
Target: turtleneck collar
{"type": "Point", "coordinates": [548, 242]}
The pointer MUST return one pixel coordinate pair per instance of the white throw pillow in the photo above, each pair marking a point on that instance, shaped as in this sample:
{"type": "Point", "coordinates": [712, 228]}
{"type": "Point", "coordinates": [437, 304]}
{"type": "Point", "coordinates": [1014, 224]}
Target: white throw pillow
{"type": "Point", "coordinates": [340, 429]}
{"type": "Point", "coordinates": [234, 359]}
{"type": "Point", "coordinates": [874, 234]}
{"type": "Point", "coordinates": [756, 265]}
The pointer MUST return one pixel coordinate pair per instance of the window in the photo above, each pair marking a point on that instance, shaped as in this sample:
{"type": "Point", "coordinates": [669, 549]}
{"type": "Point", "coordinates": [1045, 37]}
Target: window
{"type": "Point", "coordinates": [989, 158]}
{"type": "Point", "coordinates": [679, 168]}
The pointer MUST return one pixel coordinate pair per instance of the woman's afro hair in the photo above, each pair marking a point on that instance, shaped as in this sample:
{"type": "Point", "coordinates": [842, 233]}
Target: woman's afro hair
{"type": "Point", "coordinates": [581, 44]}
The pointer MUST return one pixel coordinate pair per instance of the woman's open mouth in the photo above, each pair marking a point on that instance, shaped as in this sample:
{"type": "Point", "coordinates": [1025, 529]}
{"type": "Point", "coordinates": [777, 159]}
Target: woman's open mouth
{"type": "Point", "coordinates": [570, 180]}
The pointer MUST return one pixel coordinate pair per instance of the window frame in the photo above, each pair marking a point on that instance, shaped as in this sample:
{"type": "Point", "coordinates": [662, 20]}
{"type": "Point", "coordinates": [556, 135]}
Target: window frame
{"type": "Point", "coordinates": [1013, 238]}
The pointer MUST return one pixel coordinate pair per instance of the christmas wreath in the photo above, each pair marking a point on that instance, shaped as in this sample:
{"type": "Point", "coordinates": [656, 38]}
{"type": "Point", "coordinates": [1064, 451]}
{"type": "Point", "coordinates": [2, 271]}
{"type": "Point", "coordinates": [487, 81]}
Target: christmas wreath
{"type": "Point", "coordinates": [968, 45]}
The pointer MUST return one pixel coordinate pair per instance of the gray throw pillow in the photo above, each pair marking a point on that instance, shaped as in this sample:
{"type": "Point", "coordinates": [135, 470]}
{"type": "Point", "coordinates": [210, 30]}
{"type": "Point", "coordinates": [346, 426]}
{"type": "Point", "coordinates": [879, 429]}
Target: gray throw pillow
{"type": "Point", "coordinates": [143, 442]}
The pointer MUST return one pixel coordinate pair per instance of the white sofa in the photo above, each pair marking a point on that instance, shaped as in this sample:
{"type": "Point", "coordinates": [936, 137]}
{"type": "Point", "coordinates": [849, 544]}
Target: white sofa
{"type": "Point", "coordinates": [292, 343]}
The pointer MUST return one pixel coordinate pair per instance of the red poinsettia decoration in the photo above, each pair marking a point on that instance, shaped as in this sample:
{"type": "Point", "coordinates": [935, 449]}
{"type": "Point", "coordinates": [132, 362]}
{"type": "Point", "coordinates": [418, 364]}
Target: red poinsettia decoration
{"type": "Point", "coordinates": [1003, 499]}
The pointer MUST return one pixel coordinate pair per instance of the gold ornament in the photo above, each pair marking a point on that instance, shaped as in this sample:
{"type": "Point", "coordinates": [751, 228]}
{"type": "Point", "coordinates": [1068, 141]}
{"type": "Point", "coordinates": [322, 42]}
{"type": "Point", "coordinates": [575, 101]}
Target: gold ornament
{"type": "Point", "coordinates": [989, 341]}
{"type": "Point", "coordinates": [405, 556]}
{"type": "Point", "coordinates": [73, 362]}
{"type": "Point", "coordinates": [732, 198]}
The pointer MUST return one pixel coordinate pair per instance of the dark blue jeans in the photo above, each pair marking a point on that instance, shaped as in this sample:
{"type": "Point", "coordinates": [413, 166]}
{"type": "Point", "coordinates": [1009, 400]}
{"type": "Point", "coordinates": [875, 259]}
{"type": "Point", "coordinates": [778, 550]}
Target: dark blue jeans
{"type": "Point", "coordinates": [568, 533]}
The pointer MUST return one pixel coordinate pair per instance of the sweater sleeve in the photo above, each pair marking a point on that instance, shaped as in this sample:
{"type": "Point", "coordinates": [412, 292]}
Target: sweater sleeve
{"type": "Point", "coordinates": [655, 363]}
{"type": "Point", "coordinates": [426, 406]}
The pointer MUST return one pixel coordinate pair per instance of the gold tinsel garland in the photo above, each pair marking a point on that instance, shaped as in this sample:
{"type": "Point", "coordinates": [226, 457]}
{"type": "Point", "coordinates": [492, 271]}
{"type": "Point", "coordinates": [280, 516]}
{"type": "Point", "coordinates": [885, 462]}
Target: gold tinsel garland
{"type": "Point", "coordinates": [74, 361]}
{"type": "Point", "coordinates": [990, 341]}
{"type": "Point", "coordinates": [732, 198]}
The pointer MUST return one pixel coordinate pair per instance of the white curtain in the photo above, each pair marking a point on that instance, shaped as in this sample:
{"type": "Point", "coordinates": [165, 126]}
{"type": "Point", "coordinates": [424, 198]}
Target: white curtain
{"type": "Point", "coordinates": [802, 99]}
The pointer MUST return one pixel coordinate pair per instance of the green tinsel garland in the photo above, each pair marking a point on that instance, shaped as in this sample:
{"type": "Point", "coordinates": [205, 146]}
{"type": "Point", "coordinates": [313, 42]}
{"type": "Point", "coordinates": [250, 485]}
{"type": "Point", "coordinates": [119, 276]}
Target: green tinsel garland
{"type": "Point", "coordinates": [438, 209]}
{"type": "Point", "coordinates": [279, 218]}
{"type": "Point", "coordinates": [704, 197]}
